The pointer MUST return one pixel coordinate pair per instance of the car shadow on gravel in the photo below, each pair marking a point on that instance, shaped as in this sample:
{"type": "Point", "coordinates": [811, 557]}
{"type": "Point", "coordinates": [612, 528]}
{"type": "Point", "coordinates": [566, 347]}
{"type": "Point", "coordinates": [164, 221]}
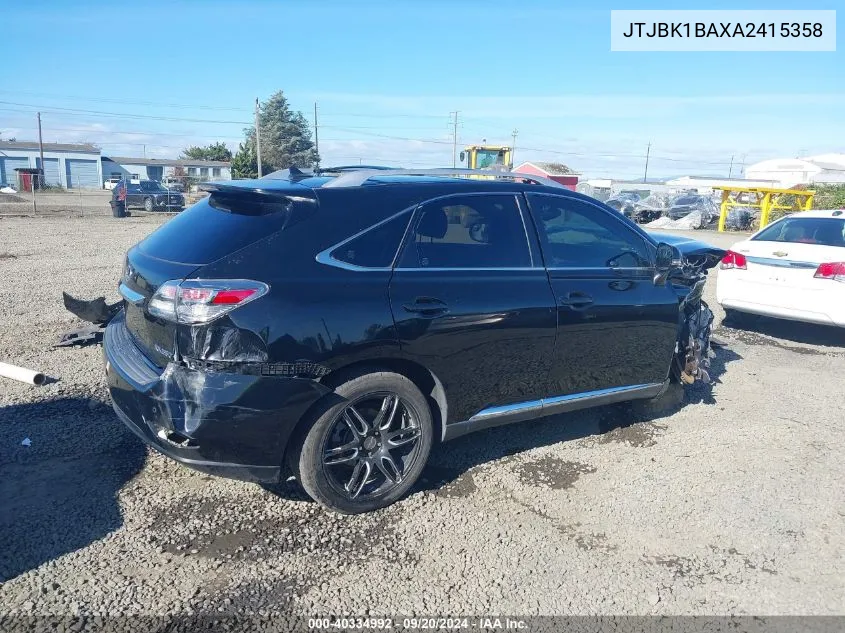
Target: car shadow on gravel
{"type": "Point", "coordinates": [59, 494]}
{"type": "Point", "coordinates": [631, 423]}
{"type": "Point", "coordinates": [750, 328]}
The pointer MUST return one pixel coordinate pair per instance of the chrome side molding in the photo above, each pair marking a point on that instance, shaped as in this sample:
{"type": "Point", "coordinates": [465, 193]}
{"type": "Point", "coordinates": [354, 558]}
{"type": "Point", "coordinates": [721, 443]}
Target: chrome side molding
{"type": "Point", "coordinates": [520, 411]}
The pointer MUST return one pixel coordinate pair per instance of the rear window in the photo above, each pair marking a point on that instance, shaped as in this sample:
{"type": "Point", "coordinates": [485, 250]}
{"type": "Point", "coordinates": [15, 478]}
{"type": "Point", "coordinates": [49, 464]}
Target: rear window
{"type": "Point", "coordinates": [203, 234]}
{"type": "Point", "coordinates": [376, 247]}
{"type": "Point", "coordinates": [821, 231]}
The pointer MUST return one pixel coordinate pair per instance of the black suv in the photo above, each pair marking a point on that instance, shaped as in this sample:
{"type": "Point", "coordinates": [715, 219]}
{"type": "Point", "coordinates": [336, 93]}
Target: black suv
{"type": "Point", "coordinates": [341, 326]}
{"type": "Point", "coordinates": [149, 195]}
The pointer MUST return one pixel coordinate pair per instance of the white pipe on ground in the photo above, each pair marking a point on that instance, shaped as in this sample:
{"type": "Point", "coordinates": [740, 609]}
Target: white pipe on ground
{"type": "Point", "coordinates": [20, 373]}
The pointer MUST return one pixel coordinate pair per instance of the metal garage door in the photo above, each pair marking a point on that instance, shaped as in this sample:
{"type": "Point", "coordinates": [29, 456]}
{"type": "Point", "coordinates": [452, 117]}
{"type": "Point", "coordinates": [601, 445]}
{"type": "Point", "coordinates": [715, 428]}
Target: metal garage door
{"type": "Point", "coordinates": [51, 171]}
{"type": "Point", "coordinates": [8, 176]}
{"type": "Point", "coordinates": [82, 174]}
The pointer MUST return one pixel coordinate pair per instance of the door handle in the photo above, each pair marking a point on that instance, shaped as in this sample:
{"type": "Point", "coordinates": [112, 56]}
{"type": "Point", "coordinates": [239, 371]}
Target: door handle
{"type": "Point", "coordinates": [427, 307]}
{"type": "Point", "coordinates": [577, 300]}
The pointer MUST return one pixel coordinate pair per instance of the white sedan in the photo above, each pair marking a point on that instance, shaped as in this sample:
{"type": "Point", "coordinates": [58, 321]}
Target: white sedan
{"type": "Point", "coordinates": [792, 269]}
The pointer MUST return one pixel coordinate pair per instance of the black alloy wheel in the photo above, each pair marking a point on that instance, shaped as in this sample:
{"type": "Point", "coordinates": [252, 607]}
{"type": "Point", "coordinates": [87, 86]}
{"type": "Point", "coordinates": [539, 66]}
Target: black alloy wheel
{"type": "Point", "coordinates": [367, 448]}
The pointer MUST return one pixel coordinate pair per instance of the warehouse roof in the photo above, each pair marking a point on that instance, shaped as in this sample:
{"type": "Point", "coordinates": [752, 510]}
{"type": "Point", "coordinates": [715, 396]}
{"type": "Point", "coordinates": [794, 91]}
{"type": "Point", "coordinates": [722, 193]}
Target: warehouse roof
{"type": "Point", "coordinates": [550, 169]}
{"type": "Point", "coordinates": [181, 162]}
{"type": "Point", "coordinates": [51, 147]}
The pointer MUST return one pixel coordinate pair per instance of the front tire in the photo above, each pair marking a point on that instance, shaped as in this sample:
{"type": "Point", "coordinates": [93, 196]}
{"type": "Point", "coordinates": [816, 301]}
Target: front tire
{"type": "Point", "coordinates": [148, 204]}
{"type": "Point", "coordinates": [367, 448]}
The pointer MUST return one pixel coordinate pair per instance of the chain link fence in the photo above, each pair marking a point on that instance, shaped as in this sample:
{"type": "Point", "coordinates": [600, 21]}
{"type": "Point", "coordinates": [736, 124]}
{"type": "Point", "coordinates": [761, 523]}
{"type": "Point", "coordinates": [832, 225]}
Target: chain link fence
{"type": "Point", "coordinates": [36, 195]}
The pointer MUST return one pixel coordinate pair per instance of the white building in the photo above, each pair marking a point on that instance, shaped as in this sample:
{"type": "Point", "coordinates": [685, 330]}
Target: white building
{"type": "Point", "coordinates": [705, 184]}
{"type": "Point", "coordinates": [788, 172]}
{"type": "Point", "coordinates": [69, 165]}
{"type": "Point", "coordinates": [158, 168]}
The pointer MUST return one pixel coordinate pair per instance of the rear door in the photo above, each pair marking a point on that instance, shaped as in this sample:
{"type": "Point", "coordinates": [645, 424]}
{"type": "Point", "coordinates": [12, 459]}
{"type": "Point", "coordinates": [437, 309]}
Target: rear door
{"type": "Point", "coordinates": [616, 328]}
{"type": "Point", "coordinates": [472, 302]}
{"type": "Point", "coordinates": [133, 195]}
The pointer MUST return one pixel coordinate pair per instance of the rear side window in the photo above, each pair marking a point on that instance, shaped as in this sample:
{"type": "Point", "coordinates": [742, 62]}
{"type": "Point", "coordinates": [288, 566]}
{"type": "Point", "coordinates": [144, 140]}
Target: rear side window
{"type": "Point", "coordinates": [574, 234]}
{"type": "Point", "coordinates": [376, 247]}
{"type": "Point", "coordinates": [480, 231]}
{"type": "Point", "coordinates": [821, 231]}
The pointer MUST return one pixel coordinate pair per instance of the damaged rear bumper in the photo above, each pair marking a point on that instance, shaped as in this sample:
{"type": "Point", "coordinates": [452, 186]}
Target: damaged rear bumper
{"type": "Point", "coordinates": [228, 424]}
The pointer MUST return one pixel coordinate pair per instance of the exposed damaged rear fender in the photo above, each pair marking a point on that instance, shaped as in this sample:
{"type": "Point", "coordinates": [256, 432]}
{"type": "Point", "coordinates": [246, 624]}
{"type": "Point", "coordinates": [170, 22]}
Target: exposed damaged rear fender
{"type": "Point", "coordinates": [226, 417]}
{"type": "Point", "coordinates": [228, 339]}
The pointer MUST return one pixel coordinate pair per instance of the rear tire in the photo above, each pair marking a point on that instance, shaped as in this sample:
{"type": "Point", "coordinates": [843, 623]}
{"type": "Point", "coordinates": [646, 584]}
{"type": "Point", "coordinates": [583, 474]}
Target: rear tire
{"type": "Point", "coordinates": [376, 451]}
{"type": "Point", "coordinates": [148, 204]}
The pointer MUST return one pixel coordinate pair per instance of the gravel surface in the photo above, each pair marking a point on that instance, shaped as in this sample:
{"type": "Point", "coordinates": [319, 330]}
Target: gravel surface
{"type": "Point", "coordinates": [731, 503]}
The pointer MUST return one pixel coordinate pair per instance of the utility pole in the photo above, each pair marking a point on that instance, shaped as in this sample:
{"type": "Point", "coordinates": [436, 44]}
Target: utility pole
{"type": "Point", "coordinates": [731, 168]}
{"type": "Point", "coordinates": [647, 152]}
{"type": "Point", "coordinates": [257, 138]}
{"type": "Point", "coordinates": [454, 139]}
{"type": "Point", "coordinates": [41, 152]}
{"type": "Point", "coordinates": [316, 135]}
{"type": "Point", "coordinates": [513, 146]}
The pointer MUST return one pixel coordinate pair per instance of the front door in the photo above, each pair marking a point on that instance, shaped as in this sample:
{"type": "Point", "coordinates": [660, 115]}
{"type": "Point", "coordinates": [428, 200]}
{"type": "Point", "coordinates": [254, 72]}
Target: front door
{"type": "Point", "coordinates": [472, 302]}
{"type": "Point", "coordinates": [616, 328]}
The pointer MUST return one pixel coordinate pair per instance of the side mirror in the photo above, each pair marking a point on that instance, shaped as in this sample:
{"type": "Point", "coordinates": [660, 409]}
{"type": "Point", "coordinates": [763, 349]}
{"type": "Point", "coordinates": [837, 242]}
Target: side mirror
{"type": "Point", "coordinates": [668, 259]}
{"type": "Point", "coordinates": [463, 156]}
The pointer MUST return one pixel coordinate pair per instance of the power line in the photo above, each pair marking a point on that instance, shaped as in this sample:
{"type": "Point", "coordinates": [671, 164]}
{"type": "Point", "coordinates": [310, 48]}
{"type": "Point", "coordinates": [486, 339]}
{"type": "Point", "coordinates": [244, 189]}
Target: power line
{"type": "Point", "coordinates": [124, 101]}
{"type": "Point", "coordinates": [80, 111]}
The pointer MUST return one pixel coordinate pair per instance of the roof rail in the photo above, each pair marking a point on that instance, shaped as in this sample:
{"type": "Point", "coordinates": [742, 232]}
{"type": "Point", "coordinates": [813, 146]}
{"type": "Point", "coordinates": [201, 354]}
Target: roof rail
{"type": "Point", "coordinates": [359, 177]}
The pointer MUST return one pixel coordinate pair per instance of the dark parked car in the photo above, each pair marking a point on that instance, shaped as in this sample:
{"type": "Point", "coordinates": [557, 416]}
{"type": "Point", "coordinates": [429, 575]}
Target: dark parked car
{"type": "Point", "coordinates": [685, 204]}
{"type": "Point", "coordinates": [149, 195]}
{"type": "Point", "coordinates": [340, 327]}
{"type": "Point", "coordinates": [624, 202]}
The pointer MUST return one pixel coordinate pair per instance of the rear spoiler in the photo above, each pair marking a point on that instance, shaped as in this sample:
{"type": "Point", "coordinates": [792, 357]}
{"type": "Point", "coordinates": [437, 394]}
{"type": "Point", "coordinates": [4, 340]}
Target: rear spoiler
{"type": "Point", "coordinates": [254, 197]}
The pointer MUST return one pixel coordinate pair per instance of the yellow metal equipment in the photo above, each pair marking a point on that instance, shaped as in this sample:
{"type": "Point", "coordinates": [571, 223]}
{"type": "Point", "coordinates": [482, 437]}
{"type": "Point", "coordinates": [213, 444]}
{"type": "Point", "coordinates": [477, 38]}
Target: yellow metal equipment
{"type": "Point", "coordinates": [764, 198]}
{"type": "Point", "coordinates": [494, 157]}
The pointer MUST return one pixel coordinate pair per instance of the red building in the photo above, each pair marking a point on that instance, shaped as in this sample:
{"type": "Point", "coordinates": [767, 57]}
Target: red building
{"type": "Point", "coordinates": [553, 171]}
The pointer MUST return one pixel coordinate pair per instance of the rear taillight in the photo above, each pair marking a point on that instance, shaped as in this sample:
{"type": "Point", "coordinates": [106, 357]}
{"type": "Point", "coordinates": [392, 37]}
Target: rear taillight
{"type": "Point", "coordinates": [733, 260]}
{"type": "Point", "coordinates": [203, 300]}
{"type": "Point", "coordinates": [833, 270]}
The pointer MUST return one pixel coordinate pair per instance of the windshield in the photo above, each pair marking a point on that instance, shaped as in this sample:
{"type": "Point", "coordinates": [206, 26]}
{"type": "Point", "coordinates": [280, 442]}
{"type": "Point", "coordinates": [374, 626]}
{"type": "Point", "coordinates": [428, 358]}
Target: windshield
{"type": "Point", "coordinates": [488, 158]}
{"type": "Point", "coordinates": [151, 185]}
{"type": "Point", "coordinates": [821, 231]}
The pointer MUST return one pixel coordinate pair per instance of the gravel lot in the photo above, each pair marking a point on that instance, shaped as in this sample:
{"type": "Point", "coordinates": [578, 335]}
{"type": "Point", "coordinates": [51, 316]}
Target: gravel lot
{"type": "Point", "coordinates": [732, 504]}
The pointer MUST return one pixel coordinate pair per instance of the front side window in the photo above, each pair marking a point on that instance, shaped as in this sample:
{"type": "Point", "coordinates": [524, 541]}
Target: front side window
{"type": "Point", "coordinates": [150, 186]}
{"type": "Point", "coordinates": [821, 231]}
{"type": "Point", "coordinates": [481, 231]}
{"type": "Point", "coordinates": [574, 234]}
{"type": "Point", "coordinates": [375, 247]}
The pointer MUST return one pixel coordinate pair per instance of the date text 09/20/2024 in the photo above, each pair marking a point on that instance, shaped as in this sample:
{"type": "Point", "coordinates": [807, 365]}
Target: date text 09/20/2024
{"type": "Point", "coordinates": [419, 623]}
{"type": "Point", "coordinates": [723, 29]}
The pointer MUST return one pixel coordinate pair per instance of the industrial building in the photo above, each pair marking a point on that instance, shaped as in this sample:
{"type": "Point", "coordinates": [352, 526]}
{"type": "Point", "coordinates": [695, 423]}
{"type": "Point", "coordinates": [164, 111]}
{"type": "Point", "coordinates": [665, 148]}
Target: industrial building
{"type": "Point", "coordinates": [159, 168]}
{"type": "Point", "coordinates": [82, 165]}
{"type": "Point", "coordinates": [553, 171]}
{"type": "Point", "coordinates": [788, 172]}
{"type": "Point", "coordinates": [68, 165]}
